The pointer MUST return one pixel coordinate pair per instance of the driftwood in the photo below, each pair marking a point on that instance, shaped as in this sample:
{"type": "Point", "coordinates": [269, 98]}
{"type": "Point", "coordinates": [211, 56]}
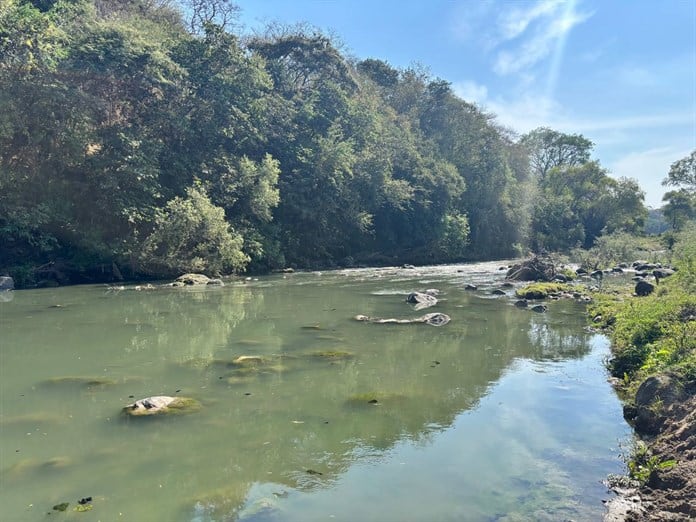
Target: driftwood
{"type": "Point", "coordinates": [534, 269]}
{"type": "Point", "coordinates": [435, 319]}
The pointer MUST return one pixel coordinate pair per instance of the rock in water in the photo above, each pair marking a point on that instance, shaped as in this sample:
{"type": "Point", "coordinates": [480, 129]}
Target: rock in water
{"type": "Point", "coordinates": [161, 405]}
{"type": "Point", "coordinates": [421, 300]}
{"type": "Point", "coordinates": [6, 283]}
{"type": "Point", "coordinates": [193, 279]}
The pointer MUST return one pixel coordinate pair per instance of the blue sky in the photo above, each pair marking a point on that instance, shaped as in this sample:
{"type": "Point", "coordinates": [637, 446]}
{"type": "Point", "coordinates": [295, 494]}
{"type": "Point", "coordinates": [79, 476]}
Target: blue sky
{"type": "Point", "coordinates": [620, 72]}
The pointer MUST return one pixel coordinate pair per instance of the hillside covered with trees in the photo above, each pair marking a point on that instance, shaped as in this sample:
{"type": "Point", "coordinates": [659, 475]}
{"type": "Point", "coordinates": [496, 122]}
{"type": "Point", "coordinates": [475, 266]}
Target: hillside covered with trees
{"type": "Point", "coordinates": [145, 138]}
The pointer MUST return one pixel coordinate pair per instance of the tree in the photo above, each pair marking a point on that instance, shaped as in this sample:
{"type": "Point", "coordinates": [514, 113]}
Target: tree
{"type": "Point", "coordinates": [191, 235]}
{"type": "Point", "coordinates": [584, 200]}
{"type": "Point", "coordinates": [202, 13]}
{"type": "Point", "coordinates": [680, 207]}
{"type": "Point", "coordinates": [548, 148]}
{"type": "Point", "coordinates": [682, 173]}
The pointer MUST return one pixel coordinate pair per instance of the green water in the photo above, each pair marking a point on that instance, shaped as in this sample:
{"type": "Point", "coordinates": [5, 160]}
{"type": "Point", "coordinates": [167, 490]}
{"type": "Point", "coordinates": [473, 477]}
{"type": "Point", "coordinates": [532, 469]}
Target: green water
{"type": "Point", "coordinates": [502, 414]}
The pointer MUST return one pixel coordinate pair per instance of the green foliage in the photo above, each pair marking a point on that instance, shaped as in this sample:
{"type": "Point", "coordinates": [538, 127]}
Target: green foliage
{"type": "Point", "coordinates": [608, 251]}
{"type": "Point", "coordinates": [682, 173]}
{"type": "Point", "coordinates": [580, 203]}
{"type": "Point", "coordinates": [548, 149]}
{"type": "Point", "coordinates": [641, 463]}
{"type": "Point", "coordinates": [680, 208]}
{"type": "Point", "coordinates": [191, 235]}
{"type": "Point", "coordinates": [111, 111]}
{"type": "Point", "coordinates": [658, 332]}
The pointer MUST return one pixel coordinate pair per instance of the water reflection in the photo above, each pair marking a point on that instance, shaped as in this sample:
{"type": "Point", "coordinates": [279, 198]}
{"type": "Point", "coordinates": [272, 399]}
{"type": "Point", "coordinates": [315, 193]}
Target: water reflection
{"type": "Point", "coordinates": [323, 395]}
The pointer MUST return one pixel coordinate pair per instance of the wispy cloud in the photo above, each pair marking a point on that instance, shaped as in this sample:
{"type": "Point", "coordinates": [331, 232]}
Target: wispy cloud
{"type": "Point", "coordinates": [528, 36]}
{"type": "Point", "coordinates": [515, 21]}
{"type": "Point", "coordinates": [471, 91]}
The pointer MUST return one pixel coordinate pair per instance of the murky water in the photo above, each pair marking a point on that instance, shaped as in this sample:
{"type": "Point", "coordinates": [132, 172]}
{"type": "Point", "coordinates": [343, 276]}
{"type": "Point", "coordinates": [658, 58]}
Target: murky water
{"type": "Point", "coordinates": [502, 414]}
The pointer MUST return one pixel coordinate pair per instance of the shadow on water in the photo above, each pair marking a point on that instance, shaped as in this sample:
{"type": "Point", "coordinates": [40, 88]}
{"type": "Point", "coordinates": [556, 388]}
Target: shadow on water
{"type": "Point", "coordinates": [295, 393]}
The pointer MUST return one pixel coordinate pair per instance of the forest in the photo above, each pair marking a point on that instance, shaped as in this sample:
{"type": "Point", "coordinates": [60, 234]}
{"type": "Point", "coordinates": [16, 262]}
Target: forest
{"type": "Point", "coordinates": [147, 138]}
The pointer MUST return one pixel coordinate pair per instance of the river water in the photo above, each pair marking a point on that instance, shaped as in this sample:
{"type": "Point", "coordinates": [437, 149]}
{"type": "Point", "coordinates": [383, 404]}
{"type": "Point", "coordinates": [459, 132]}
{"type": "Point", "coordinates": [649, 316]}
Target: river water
{"type": "Point", "coordinates": [502, 414]}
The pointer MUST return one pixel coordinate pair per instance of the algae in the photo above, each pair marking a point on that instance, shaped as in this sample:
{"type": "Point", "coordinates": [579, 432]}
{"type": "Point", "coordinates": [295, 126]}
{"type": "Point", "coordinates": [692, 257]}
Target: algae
{"type": "Point", "coordinates": [87, 382]}
{"type": "Point", "coordinates": [542, 290]}
{"type": "Point", "coordinates": [333, 354]}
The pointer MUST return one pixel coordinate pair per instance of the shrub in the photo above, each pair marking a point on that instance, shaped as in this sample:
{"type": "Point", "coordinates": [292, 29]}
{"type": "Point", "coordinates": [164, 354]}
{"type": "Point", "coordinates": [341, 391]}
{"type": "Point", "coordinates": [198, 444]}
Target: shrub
{"type": "Point", "coordinates": [191, 235]}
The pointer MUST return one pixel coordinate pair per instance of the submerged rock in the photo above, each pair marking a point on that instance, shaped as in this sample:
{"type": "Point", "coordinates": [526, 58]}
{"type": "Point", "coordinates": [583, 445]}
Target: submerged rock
{"type": "Point", "coordinates": [161, 405]}
{"type": "Point", "coordinates": [75, 381]}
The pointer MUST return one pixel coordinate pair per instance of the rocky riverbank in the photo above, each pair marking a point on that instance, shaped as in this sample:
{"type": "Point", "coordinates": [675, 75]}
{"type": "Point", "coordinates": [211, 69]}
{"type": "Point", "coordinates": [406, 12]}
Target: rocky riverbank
{"type": "Point", "coordinates": [652, 326]}
{"type": "Point", "coordinates": [654, 371]}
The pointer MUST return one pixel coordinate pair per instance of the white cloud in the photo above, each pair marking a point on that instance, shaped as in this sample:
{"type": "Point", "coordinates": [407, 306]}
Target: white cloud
{"type": "Point", "coordinates": [540, 30]}
{"type": "Point", "coordinates": [514, 22]}
{"type": "Point", "coordinates": [649, 167]}
{"type": "Point", "coordinates": [471, 91]}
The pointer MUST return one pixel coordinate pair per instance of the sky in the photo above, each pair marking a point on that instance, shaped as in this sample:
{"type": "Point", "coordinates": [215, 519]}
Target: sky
{"type": "Point", "coordinates": [620, 72]}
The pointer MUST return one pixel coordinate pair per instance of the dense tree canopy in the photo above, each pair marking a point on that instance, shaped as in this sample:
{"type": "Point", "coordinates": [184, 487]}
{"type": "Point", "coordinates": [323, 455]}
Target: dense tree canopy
{"type": "Point", "coordinates": [148, 136]}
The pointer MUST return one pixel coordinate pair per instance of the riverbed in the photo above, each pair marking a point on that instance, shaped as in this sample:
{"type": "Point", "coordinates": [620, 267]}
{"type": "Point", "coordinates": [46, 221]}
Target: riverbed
{"type": "Point", "coordinates": [501, 414]}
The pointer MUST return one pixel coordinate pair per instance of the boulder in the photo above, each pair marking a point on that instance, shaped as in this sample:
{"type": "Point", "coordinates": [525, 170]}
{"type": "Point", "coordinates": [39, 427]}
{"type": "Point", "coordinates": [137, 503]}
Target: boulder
{"type": "Point", "coordinates": [498, 291]}
{"type": "Point", "coordinates": [161, 405]}
{"type": "Point", "coordinates": [644, 288]}
{"type": "Point", "coordinates": [469, 286]}
{"type": "Point", "coordinates": [653, 398]}
{"type": "Point", "coordinates": [661, 273]}
{"type": "Point", "coordinates": [521, 303]}
{"type": "Point", "coordinates": [193, 279]}
{"type": "Point", "coordinates": [540, 308]}
{"type": "Point", "coordinates": [6, 283]}
{"type": "Point", "coordinates": [421, 300]}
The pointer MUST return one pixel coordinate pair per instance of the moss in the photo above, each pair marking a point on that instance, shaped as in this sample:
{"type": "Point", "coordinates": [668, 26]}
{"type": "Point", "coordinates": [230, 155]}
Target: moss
{"type": "Point", "coordinates": [245, 374]}
{"type": "Point", "coordinates": [184, 405]}
{"type": "Point", "coordinates": [333, 354]}
{"type": "Point", "coordinates": [87, 382]}
{"type": "Point", "coordinates": [542, 290]}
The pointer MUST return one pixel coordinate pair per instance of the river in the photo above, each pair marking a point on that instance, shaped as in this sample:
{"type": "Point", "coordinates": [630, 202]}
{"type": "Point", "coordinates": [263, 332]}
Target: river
{"type": "Point", "coordinates": [503, 414]}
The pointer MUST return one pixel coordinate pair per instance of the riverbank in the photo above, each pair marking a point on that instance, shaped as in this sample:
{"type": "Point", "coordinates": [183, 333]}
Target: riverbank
{"type": "Point", "coordinates": [653, 368]}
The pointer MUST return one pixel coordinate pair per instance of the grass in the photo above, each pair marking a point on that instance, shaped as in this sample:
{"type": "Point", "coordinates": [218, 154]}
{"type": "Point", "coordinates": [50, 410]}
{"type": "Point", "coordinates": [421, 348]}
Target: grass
{"type": "Point", "coordinates": [656, 333]}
